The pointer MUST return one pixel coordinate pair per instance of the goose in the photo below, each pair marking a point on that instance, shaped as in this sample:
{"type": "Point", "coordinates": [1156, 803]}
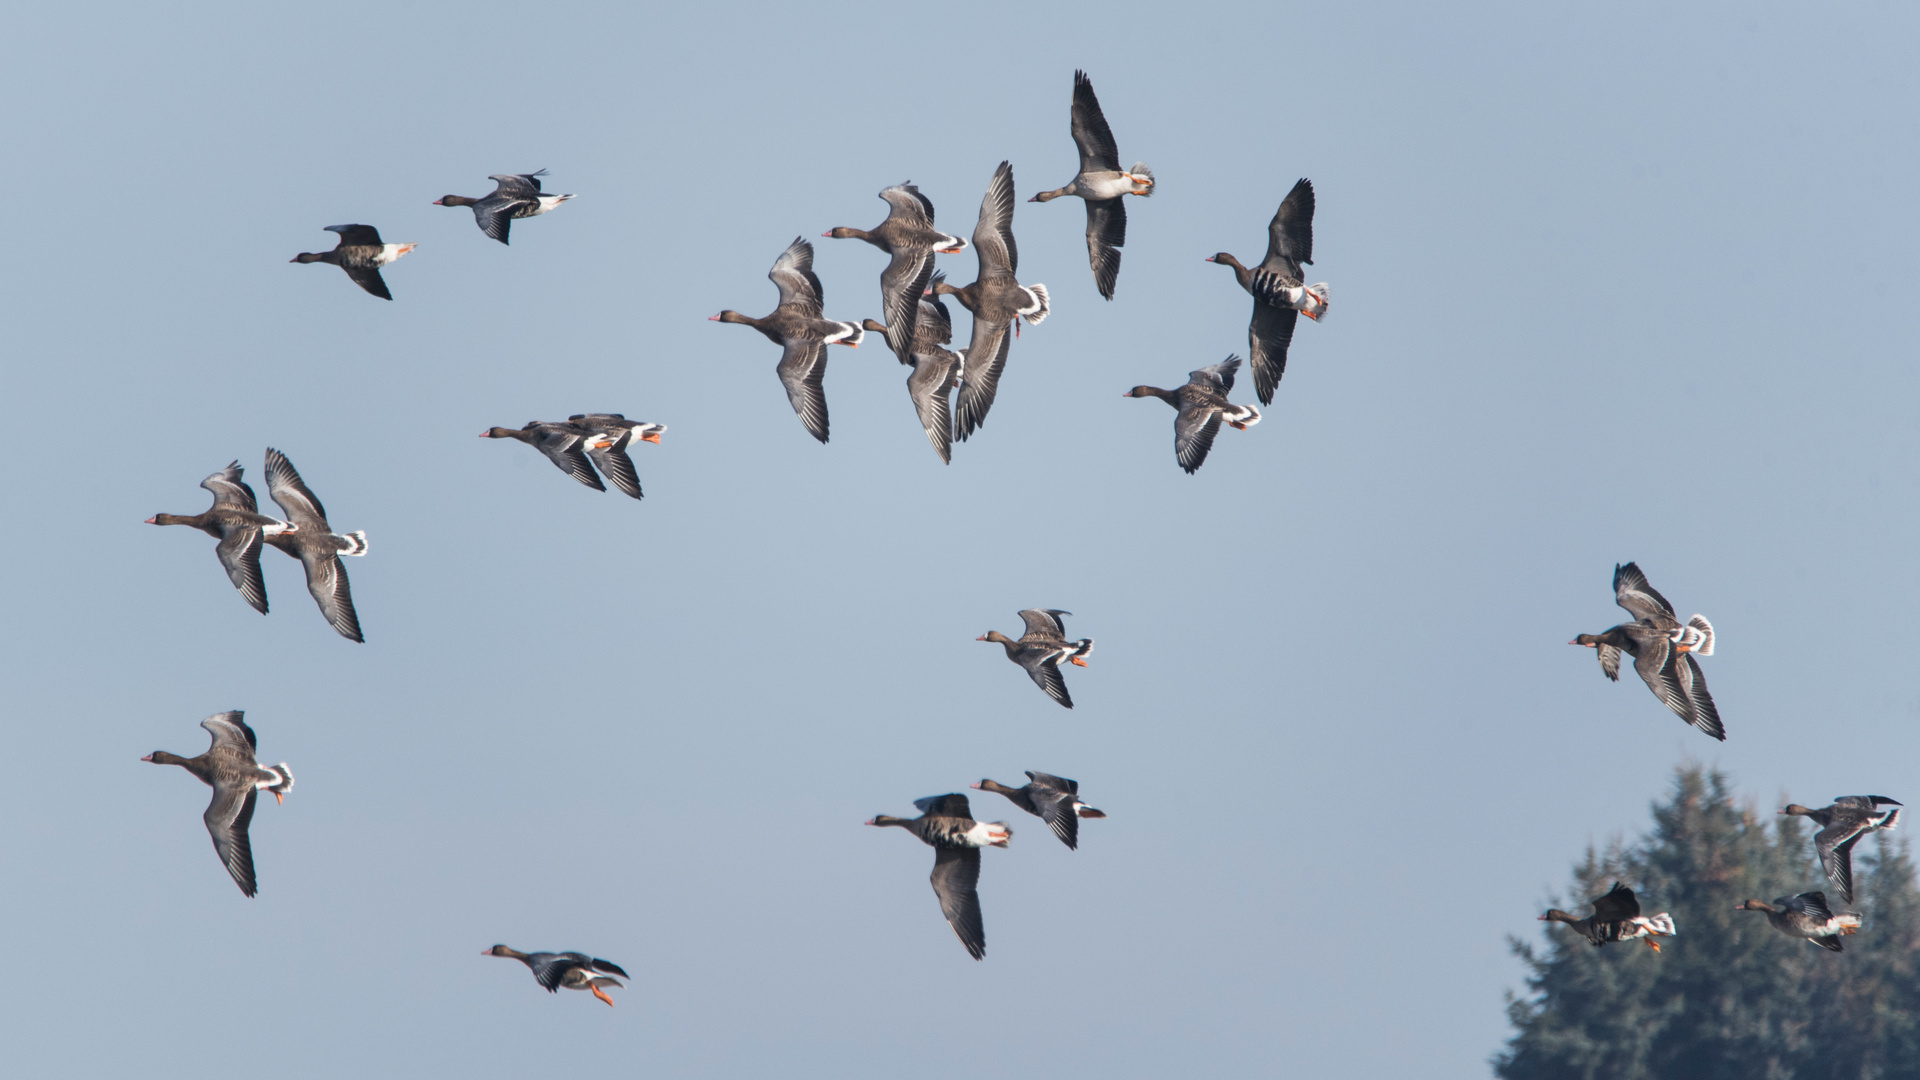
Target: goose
{"type": "Point", "coordinates": [1616, 917]}
{"type": "Point", "coordinates": [235, 520]}
{"type": "Point", "coordinates": [1101, 183]}
{"type": "Point", "coordinates": [609, 436]}
{"type": "Point", "coordinates": [909, 236]}
{"type": "Point", "coordinates": [802, 333]}
{"type": "Point", "coordinates": [1052, 799]}
{"type": "Point", "coordinates": [1041, 649]}
{"type": "Point", "coordinates": [996, 299]}
{"type": "Point", "coordinates": [563, 444]}
{"type": "Point", "coordinates": [515, 195]}
{"type": "Point", "coordinates": [361, 253]}
{"type": "Point", "coordinates": [1663, 650]}
{"type": "Point", "coordinates": [1202, 405]}
{"type": "Point", "coordinates": [315, 544]}
{"type": "Point", "coordinates": [946, 824]}
{"type": "Point", "coordinates": [935, 369]}
{"type": "Point", "coordinates": [573, 970]}
{"type": "Point", "coordinates": [229, 768]}
{"type": "Point", "coordinates": [1841, 826]}
{"type": "Point", "coordinates": [1279, 295]}
{"type": "Point", "coordinates": [1806, 916]}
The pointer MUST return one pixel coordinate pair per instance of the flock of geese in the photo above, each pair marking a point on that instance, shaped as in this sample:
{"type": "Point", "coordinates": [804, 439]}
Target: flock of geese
{"type": "Point", "coordinates": [593, 449]}
{"type": "Point", "coordinates": [1664, 651]}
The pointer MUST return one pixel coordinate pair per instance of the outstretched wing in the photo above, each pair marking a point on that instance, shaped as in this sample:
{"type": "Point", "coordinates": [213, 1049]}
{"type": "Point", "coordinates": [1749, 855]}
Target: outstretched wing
{"type": "Point", "coordinates": [1090, 131]}
{"type": "Point", "coordinates": [618, 467]}
{"type": "Point", "coordinates": [1269, 334]}
{"type": "Point", "coordinates": [1106, 232]}
{"type": "Point", "coordinates": [986, 358]}
{"type": "Point", "coordinates": [802, 370]}
{"type": "Point", "coordinates": [230, 729]}
{"type": "Point", "coordinates": [1290, 233]}
{"type": "Point", "coordinates": [956, 881]}
{"type": "Point", "coordinates": [901, 285]}
{"type": "Point", "coordinates": [291, 494]}
{"type": "Point", "coordinates": [239, 554]}
{"type": "Point", "coordinates": [1193, 431]}
{"type": "Point", "coordinates": [1043, 667]}
{"type": "Point", "coordinates": [1618, 905]}
{"type": "Point", "coordinates": [227, 818]}
{"type": "Point", "coordinates": [357, 236]}
{"type": "Point", "coordinates": [1044, 624]}
{"type": "Point", "coordinates": [516, 183]}
{"type": "Point", "coordinates": [1220, 374]}
{"type": "Point", "coordinates": [327, 581]}
{"type": "Point", "coordinates": [793, 274]}
{"type": "Point", "coordinates": [1631, 591]}
{"type": "Point", "coordinates": [993, 235]}
{"type": "Point", "coordinates": [231, 491]}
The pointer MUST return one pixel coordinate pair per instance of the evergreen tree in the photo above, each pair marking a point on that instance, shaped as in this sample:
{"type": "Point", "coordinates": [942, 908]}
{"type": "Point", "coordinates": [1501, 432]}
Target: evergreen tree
{"type": "Point", "coordinates": [1729, 998]}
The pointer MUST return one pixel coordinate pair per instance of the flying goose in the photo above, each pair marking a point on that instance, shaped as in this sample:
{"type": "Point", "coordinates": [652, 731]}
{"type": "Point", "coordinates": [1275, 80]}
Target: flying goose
{"type": "Point", "coordinates": [315, 544]}
{"type": "Point", "coordinates": [361, 253]}
{"type": "Point", "coordinates": [1806, 916]}
{"type": "Point", "coordinates": [1101, 183]}
{"type": "Point", "coordinates": [563, 444]}
{"type": "Point", "coordinates": [235, 520]}
{"type": "Point", "coordinates": [802, 333]}
{"type": "Point", "coordinates": [935, 369]}
{"type": "Point", "coordinates": [515, 195]}
{"type": "Point", "coordinates": [946, 824]}
{"type": "Point", "coordinates": [1041, 649]}
{"type": "Point", "coordinates": [1280, 296]}
{"type": "Point", "coordinates": [1202, 405]}
{"type": "Point", "coordinates": [1616, 917]}
{"type": "Point", "coordinates": [229, 768]}
{"type": "Point", "coordinates": [997, 300]}
{"type": "Point", "coordinates": [1841, 826]}
{"type": "Point", "coordinates": [1052, 799]}
{"type": "Point", "coordinates": [909, 236]}
{"type": "Point", "coordinates": [573, 970]}
{"type": "Point", "coordinates": [1663, 650]}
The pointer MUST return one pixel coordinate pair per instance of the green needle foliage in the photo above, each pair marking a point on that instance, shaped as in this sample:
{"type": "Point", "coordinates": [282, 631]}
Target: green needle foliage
{"type": "Point", "coordinates": [1730, 998]}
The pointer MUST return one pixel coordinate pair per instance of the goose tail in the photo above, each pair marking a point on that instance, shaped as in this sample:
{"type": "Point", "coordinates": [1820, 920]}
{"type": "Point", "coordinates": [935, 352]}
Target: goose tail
{"type": "Point", "coordinates": [1142, 178]}
{"type": "Point", "coordinates": [1035, 316]}
{"type": "Point", "coordinates": [353, 543]}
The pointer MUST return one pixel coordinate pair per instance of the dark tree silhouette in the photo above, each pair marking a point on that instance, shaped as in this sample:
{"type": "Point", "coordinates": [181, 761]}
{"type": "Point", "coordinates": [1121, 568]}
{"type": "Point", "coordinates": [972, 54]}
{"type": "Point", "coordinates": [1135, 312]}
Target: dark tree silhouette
{"type": "Point", "coordinates": [1729, 998]}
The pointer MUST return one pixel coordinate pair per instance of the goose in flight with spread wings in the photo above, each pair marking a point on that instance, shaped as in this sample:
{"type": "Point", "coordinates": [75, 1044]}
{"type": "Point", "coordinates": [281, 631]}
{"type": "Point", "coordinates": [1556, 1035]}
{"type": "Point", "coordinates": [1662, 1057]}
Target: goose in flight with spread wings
{"type": "Point", "coordinates": [315, 544]}
{"type": "Point", "coordinates": [1053, 799]}
{"type": "Point", "coordinates": [909, 236]}
{"type": "Point", "coordinates": [361, 253]}
{"type": "Point", "coordinates": [572, 970]}
{"type": "Point", "coordinates": [1841, 826]}
{"type": "Point", "coordinates": [1101, 183]}
{"type": "Point", "coordinates": [1616, 917]}
{"type": "Point", "coordinates": [802, 333]}
{"type": "Point", "coordinates": [1280, 293]}
{"type": "Point", "coordinates": [997, 300]}
{"type": "Point", "coordinates": [946, 824]}
{"type": "Point", "coordinates": [1202, 405]}
{"type": "Point", "coordinates": [1663, 650]}
{"type": "Point", "coordinates": [1041, 649]}
{"type": "Point", "coordinates": [235, 520]}
{"type": "Point", "coordinates": [515, 195]}
{"type": "Point", "coordinates": [229, 768]}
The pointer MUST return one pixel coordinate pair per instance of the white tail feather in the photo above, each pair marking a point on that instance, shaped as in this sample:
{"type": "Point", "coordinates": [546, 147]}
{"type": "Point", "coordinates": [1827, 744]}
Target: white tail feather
{"type": "Point", "coordinates": [1046, 304]}
{"type": "Point", "coordinates": [353, 543]}
{"type": "Point", "coordinates": [1704, 646]}
{"type": "Point", "coordinates": [1243, 415]}
{"type": "Point", "coordinates": [1142, 175]}
{"type": "Point", "coordinates": [1658, 924]}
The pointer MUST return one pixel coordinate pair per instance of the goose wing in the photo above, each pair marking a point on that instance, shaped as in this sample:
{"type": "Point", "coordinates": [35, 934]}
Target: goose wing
{"type": "Point", "coordinates": [908, 206]}
{"type": "Point", "coordinates": [1618, 905]}
{"type": "Point", "coordinates": [1835, 846]}
{"type": "Point", "coordinates": [993, 235]}
{"type": "Point", "coordinates": [802, 370]}
{"type": "Point", "coordinates": [1651, 664]}
{"type": "Point", "coordinates": [1706, 716]}
{"type": "Point", "coordinates": [614, 463]}
{"type": "Point", "coordinates": [793, 274]}
{"type": "Point", "coordinates": [1055, 807]}
{"type": "Point", "coordinates": [228, 817]}
{"type": "Point", "coordinates": [928, 386]}
{"type": "Point", "coordinates": [980, 378]}
{"type": "Point", "coordinates": [516, 183]}
{"type": "Point", "coordinates": [1042, 662]}
{"type": "Point", "coordinates": [368, 278]}
{"type": "Point", "coordinates": [1269, 333]}
{"type": "Point", "coordinates": [901, 286]}
{"type": "Point", "coordinates": [327, 581]}
{"type": "Point", "coordinates": [239, 554]}
{"type": "Point", "coordinates": [1219, 376]}
{"type": "Point", "coordinates": [1631, 591]}
{"type": "Point", "coordinates": [1106, 232]}
{"type": "Point", "coordinates": [1098, 153]}
{"type": "Point", "coordinates": [357, 236]}
{"type": "Point", "coordinates": [935, 325]}
{"type": "Point", "coordinates": [495, 213]}
{"type": "Point", "coordinates": [956, 881]}
{"type": "Point", "coordinates": [1044, 624]}
{"type": "Point", "coordinates": [1290, 233]}
{"type": "Point", "coordinates": [953, 805]}
{"type": "Point", "coordinates": [230, 729]}
{"type": "Point", "coordinates": [564, 445]}
{"type": "Point", "coordinates": [230, 491]}
{"type": "Point", "coordinates": [292, 496]}
{"type": "Point", "coordinates": [550, 969]}
{"type": "Point", "coordinates": [1193, 430]}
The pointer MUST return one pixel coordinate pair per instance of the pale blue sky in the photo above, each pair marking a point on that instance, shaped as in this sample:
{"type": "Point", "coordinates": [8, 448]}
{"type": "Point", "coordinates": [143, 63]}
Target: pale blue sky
{"type": "Point", "coordinates": [1620, 284]}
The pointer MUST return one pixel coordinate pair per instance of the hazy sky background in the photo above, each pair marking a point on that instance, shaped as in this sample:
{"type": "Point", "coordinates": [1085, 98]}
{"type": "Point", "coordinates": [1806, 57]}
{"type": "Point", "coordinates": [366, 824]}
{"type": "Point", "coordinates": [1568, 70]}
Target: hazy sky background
{"type": "Point", "coordinates": [1620, 284]}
